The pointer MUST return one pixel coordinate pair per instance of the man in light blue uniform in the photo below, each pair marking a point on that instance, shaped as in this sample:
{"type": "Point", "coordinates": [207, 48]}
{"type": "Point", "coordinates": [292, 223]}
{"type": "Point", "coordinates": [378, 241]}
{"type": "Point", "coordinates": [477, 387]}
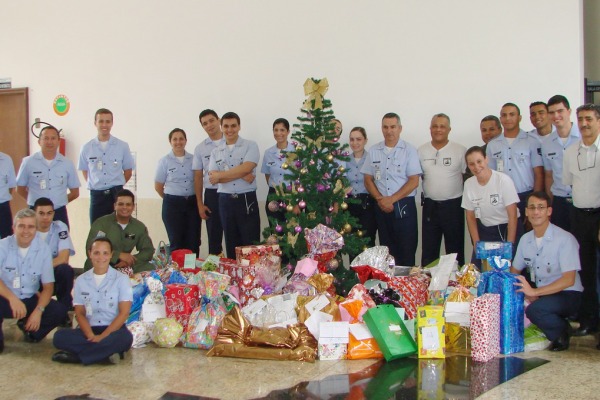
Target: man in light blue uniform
{"type": "Point", "coordinates": [552, 256]}
{"type": "Point", "coordinates": [25, 268]}
{"type": "Point", "coordinates": [392, 172]}
{"type": "Point", "coordinates": [540, 119]}
{"type": "Point", "coordinates": [206, 193]}
{"type": "Point", "coordinates": [49, 174]}
{"type": "Point", "coordinates": [56, 235]}
{"type": "Point", "coordinates": [8, 183]}
{"type": "Point", "coordinates": [106, 164]}
{"type": "Point", "coordinates": [517, 154]}
{"type": "Point", "coordinates": [565, 134]}
{"type": "Point", "coordinates": [233, 167]}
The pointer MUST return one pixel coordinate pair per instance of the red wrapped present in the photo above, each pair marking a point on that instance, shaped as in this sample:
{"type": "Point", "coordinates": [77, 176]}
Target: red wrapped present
{"type": "Point", "coordinates": [262, 255]}
{"type": "Point", "coordinates": [243, 277]}
{"type": "Point", "coordinates": [181, 299]}
{"type": "Point", "coordinates": [485, 327]}
{"type": "Point", "coordinates": [413, 290]}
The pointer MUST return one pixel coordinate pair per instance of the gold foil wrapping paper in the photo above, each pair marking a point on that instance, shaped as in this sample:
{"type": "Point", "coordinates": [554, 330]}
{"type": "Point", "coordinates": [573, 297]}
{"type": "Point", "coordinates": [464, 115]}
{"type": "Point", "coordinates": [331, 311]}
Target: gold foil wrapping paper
{"type": "Point", "coordinates": [237, 338]}
{"type": "Point", "coordinates": [458, 339]}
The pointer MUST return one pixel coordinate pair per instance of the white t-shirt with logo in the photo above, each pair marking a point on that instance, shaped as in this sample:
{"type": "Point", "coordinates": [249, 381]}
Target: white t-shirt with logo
{"type": "Point", "coordinates": [489, 201]}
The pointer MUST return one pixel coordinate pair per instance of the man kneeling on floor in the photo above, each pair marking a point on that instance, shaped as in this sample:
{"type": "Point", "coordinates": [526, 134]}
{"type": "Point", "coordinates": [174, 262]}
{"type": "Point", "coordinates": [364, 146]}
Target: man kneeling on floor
{"type": "Point", "coordinates": [552, 257]}
{"type": "Point", "coordinates": [25, 268]}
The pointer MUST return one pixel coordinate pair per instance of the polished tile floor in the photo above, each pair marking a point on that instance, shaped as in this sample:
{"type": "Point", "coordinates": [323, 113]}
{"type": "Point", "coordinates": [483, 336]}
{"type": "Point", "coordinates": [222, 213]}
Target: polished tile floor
{"type": "Point", "coordinates": [152, 373]}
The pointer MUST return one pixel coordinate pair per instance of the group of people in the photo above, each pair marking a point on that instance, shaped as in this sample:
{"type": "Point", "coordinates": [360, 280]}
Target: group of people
{"type": "Point", "coordinates": [544, 180]}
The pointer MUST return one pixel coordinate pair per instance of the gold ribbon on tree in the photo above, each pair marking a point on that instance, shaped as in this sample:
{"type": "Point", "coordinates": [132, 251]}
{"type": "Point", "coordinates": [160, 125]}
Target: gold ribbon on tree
{"type": "Point", "coordinates": [315, 91]}
{"type": "Point", "coordinates": [317, 142]}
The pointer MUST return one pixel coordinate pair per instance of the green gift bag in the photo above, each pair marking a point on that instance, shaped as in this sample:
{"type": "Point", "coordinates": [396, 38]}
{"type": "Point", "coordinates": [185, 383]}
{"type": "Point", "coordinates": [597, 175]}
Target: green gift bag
{"type": "Point", "coordinates": [389, 331]}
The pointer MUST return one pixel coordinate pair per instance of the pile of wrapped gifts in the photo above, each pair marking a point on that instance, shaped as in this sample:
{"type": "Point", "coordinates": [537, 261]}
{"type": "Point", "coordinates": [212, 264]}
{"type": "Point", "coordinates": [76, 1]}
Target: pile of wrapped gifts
{"type": "Point", "coordinates": [249, 308]}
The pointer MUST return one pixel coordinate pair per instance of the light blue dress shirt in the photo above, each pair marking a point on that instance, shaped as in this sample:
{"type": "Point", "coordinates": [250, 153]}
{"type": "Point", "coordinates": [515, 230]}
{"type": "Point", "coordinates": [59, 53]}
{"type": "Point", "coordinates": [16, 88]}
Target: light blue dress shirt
{"type": "Point", "coordinates": [391, 170]}
{"type": "Point", "coordinates": [103, 300]}
{"type": "Point", "coordinates": [552, 155]}
{"type": "Point", "coordinates": [356, 178]}
{"type": "Point", "coordinates": [518, 158]}
{"type": "Point", "coordinates": [177, 176]}
{"type": "Point", "coordinates": [271, 165]}
{"type": "Point", "coordinates": [47, 180]}
{"type": "Point", "coordinates": [558, 253]}
{"type": "Point", "coordinates": [223, 159]}
{"type": "Point", "coordinates": [105, 167]}
{"type": "Point", "coordinates": [58, 239]}
{"type": "Point", "coordinates": [202, 159]}
{"type": "Point", "coordinates": [29, 272]}
{"type": "Point", "coordinates": [7, 177]}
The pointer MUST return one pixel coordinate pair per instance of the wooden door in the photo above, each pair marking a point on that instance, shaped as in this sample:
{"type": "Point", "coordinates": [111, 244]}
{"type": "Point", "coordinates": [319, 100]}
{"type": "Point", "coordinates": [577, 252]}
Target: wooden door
{"type": "Point", "coordinates": [14, 131]}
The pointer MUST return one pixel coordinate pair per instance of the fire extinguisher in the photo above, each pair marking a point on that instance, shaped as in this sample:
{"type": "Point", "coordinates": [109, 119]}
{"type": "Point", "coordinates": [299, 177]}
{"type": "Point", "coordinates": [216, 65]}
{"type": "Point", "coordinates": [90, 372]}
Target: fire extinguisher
{"type": "Point", "coordinates": [40, 125]}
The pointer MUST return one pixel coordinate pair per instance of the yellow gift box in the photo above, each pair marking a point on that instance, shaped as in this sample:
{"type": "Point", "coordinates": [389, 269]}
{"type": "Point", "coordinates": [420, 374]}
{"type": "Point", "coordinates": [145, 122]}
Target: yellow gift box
{"type": "Point", "coordinates": [431, 328]}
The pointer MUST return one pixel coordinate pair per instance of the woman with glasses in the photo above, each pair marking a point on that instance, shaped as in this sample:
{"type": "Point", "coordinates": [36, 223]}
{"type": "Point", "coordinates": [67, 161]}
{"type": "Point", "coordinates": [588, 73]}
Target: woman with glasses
{"type": "Point", "coordinates": [490, 201]}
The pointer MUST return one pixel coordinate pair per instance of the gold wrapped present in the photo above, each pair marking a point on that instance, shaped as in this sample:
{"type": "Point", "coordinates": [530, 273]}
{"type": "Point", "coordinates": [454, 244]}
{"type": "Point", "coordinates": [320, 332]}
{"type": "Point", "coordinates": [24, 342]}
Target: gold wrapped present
{"type": "Point", "coordinates": [458, 339]}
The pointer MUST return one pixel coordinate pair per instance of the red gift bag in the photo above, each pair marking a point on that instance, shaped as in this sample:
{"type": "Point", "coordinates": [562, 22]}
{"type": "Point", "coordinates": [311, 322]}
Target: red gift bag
{"type": "Point", "coordinates": [180, 300]}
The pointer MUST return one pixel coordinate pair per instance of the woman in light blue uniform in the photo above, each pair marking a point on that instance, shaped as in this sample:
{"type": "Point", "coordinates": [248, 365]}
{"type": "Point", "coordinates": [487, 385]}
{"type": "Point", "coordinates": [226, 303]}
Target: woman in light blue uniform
{"type": "Point", "coordinates": [8, 183]}
{"type": "Point", "coordinates": [364, 211]}
{"type": "Point", "coordinates": [272, 165]}
{"type": "Point", "coordinates": [174, 182]}
{"type": "Point", "coordinates": [102, 299]}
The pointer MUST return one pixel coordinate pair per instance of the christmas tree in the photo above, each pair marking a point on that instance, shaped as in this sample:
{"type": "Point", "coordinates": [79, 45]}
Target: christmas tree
{"type": "Point", "coordinates": [317, 188]}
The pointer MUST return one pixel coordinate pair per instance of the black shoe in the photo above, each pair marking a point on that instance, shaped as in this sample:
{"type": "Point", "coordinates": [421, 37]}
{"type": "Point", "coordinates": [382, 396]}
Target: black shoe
{"type": "Point", "coordinates": [28, 336]}
{"type": "Point", "coordinates": [65, 357]}
{"type": "Point", "coordinates": [1, 345]}
{"type": "Point", "coordinates": [66, 323]}
{"type": "Point", "coordinates": [560, 344]}
{"type": "Point", "coordinates": [585, 330]}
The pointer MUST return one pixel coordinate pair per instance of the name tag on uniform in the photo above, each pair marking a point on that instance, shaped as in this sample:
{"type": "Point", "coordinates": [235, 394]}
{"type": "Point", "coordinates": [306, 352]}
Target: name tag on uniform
{"type": "Point", "coordinates": [477, 212]}
{"type": "Point", "coordinates": [130, 236]}
{"type": "Point", "coordinates": [88, 309]}
{"type": "Point", "coordinates": [500, 165]}
{"type": "Point", "coordinates": [43, 184]}
{"type": "Point", "coordinates": [99, 165]}
{"type": "Point", "coordinates": [16, 282]}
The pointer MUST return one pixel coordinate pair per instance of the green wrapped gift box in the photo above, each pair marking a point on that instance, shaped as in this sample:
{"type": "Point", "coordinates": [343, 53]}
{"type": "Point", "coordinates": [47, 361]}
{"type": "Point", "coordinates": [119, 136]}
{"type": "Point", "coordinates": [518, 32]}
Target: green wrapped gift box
{"type": "Point", "coordinates": [389, 331]}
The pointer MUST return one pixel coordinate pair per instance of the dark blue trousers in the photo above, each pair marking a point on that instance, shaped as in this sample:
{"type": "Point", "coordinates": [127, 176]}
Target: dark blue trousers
{"type": "Point", "coordinates": [399, 231]}
{"type": "Point", "coordinates": [5, 220]}
{"type": "Point", "coordinates": [102, 202]}
{"type": "Point", "coordinates": [54, 315]}
{"type": "Point", "coordinates": [561, 212]}
{"type": "Point", "coordinates": [182, 221]}
{"type": "Point", "coordinates": [585, 224]}
{"type": "Point", "coordinates": [240, 219]}
{"type": "Point", "coordinates": [364, 211]}
{"type": "Point", "coordinates": [214, 229]}
{"type": "Point", "coordinates": [74, 341]}
{"type": "Point", "coordinates": [549, 313]}
{"type": "Point", "coordinates": [443, 218]}
{"type": "Point", "coordinates": [63, 285]}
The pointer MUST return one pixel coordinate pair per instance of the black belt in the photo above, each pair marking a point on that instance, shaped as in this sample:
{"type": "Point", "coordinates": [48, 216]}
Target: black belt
{"type": "Point", "coordinates": [589, 210]}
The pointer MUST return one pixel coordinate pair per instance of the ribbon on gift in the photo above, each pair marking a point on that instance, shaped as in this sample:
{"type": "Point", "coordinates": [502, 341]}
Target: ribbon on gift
{"type": "Point", "coordinates": [315, 90]}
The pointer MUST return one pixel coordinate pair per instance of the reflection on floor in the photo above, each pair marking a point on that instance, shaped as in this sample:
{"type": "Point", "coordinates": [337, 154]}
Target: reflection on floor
{"type": "Point", "coordinates": [152, 373]}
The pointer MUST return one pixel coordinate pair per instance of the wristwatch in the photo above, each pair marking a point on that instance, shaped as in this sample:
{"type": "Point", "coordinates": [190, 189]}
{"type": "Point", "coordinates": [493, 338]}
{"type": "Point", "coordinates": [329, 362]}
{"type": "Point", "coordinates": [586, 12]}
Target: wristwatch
{"type": "Point", "coordinates": [42, 309]}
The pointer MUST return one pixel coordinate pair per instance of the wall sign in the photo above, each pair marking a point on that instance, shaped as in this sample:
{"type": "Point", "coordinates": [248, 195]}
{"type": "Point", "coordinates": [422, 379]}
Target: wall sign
{"type": "Point", "coordinates": [61, 105]}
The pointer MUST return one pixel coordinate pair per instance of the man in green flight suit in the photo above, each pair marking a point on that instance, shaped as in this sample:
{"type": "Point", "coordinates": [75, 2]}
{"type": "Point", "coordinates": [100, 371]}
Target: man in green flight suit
{"type": "Point", "coordinates": [126, 234]}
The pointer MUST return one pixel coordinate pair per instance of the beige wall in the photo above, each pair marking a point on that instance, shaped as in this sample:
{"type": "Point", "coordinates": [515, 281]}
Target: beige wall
{"type": "Point", "coordinates": [591, 15]}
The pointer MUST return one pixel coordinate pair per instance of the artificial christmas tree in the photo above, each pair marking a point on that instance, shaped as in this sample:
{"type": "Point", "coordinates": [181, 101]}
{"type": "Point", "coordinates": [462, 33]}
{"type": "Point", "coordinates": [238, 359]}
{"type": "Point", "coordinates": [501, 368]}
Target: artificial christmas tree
{"type": "Point", "coordinates": [316, 187]}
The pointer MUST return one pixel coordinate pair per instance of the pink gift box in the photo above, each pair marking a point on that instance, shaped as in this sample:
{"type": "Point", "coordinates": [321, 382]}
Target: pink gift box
{"type": "Point", "coordinates": [180, 300]}
{"type": "Point", "coordinates": [243, 277]}
{"type": "Point", "coordinates": [485, 327]}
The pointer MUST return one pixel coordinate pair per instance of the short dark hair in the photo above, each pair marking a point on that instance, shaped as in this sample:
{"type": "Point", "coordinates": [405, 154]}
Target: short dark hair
{"type": "Point", "coordinates": [102, 111]}
{"type": "Point", "coordinates": [283, 121]}
{"type": "Point", "coordinates": [492, 118]}
{"type": "Point", "coordinates": [361, 130]}
{"type": "Point", "coordinates": [557, 99]}
{"type": "Point", "coordinates": [175, 131]}
{"type": "Point", "coordinates": [206, 112]}
{"type": "Point", "coordinates": [540, 194]}
{"type": "Point", "coordinates": [539, 103]}
{"type": "Point", "coordinates": [230, 115]}
{"type": "Point", "coordinates": [41, 202]}
{"type": "Point", "coordinates": [49, 127]}
{"type": "Point", "coordinates": [125, 193]}
{"type": "Point", "coordinates": [590, 107]}
{"type": "Point", "coordinates": [103, 239]}
{"type": "Point", "coordinates": [392, 115]}
{"type": "Point", "coordinates": [475, 149]}
{"type": "Point", "coordinates": [512, 105]}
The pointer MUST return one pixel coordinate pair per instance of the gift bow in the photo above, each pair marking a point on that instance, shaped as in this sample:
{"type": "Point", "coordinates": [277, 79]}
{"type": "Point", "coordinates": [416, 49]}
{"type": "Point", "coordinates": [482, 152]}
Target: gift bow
{"type": "Point", "coordinates": [499, 264]}
{"type": "Point", "coordinates": [315, 91]}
